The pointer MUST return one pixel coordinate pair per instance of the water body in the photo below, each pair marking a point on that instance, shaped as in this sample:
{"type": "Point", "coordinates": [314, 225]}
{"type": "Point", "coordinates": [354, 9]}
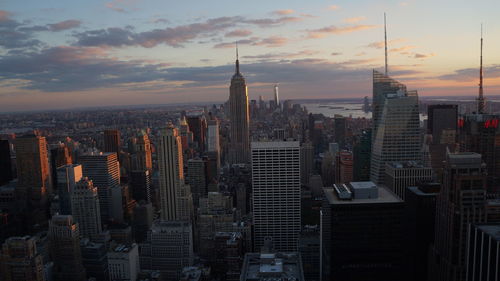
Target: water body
{"type": "Point", "coordinates": [329, 109]}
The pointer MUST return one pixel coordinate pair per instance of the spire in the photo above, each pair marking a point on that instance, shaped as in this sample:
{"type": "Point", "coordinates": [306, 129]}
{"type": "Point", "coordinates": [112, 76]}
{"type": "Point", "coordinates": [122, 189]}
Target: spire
{"type": "Point", "coordinates": [237, 60]}
{"type": "Point", "coordinates": [385, 44]}
{"type": "Point", "coordinates": [480, 99]}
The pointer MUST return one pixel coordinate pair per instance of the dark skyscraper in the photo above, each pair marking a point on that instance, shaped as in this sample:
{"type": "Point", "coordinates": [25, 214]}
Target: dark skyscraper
{"type": "Point", "coordinates": [361, 156]}
{"type": "Point", "coordinates": [198, 126]}
{"type": "Point", "coordinates": [20, 260]}
{"type": "Point", "coordinates": [462, 201]}
{"type": "Point", "coordinates": [441, 117]}
{"type": "Point", "coordinates": [239, 138]}
{"type": "Point", "coordinates": [483, 252]}
{"type": "Point", "coordinates": [5, 164]}
{"type": "Point", "coordinates": [112, 142]}
{"type": "Point", "coordinates": [340, 130]}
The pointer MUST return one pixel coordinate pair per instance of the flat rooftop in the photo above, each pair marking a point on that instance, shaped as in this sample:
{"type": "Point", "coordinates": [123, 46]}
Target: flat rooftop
{"type": "Point", "coordinates": [272, 267]}
{"type": "Point", "coordinates": [384, 196]}
{"type": "Point", "coordinates": [492, 230]}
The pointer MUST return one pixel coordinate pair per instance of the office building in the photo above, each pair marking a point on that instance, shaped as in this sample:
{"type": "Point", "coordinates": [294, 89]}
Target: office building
{"type": "Point", "coordinates": [483, 252]}
{"type": "Point", "coordinates": [420, 218]}
{"type": "Point", "coordinates": [175, 194]}
{"type": "Point", "coordinates": [239, 119]}
{"type": "Point", "coordinates": [198, 126]}
{"type": "Point", "coordinates": [272, 266]}
{"type": "Point", "coordinates": [94, 259]}
{"type": "Point", "coordinates": [64, 245]}
{"type": "Point", "coordinates": [340, 130]}
{"type": "Point", "coordinates": [33, 171]}
{"type": "Point", "coordinates": [20, 260]}
{"type": "Point", "coordinates": [396, 125]}
{"type": "Point", "coordinates": [123, 262]}
{"type": "Point", "coordinates": [196, 178]}
{"type": "Point", "coordinates": [112, 141]}
{"type": "Point", "coordinates": [104, 171]}
{"type": "Point", "coordinates": [309, 249]}
{"type": "Point", "coordinates": [140, 182]}
{"type": "Point", "coordinates": [362, 233]}
{"type": "Point", "coordinates": [142, 220]}
{"type": "Point", "coordinates": [306, 162]}
{"type": "Point", "coordinates": [5, 162]}
{"type": "Point", "coordinates": [141, 158]}
{"type": "Point", "coordinates": [344, 169]}
{"type": "Point", "coordinates": [461, 202]}
{"type": "Point", "coordinates": [400, 175]}
{"type": "Point", "coordinates": [362, 156]}
{"type": "Point", "coordinates": [213, 143]}
{"type": "Point", "coordinates": [276, 193]}
{"type": "Point", "coordinates": [67, 177]}
{"type": "Point", "coordinates": [168, 248]}
{"type": "Point", "coordinates": [441, 118]}
{"type": "Point", "coordinates": [85, 208]}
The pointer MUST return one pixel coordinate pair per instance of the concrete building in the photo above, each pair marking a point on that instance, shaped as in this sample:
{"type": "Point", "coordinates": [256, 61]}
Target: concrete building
{"type": "Point", "coordinates": [67, 177]}
{"type": "Point", "coordinates": [85, 208]}
{"type": "Point", "coordinates": [196, 178]}
{"type": "Point", "coordinates": [198, 126]}
{"type": "Point", "coordinates": [141, 157]}
{"type": "Point", "coordinates": [306, 162]}
{"type": "Point", "coordinates": [344, 167]}
{"type": "Point", "coordinates": [362, 156]}
{"type": "Point", "coordinates": [483, 252]}
{"type": "Point", "coordinates": [239, 118]}
{"type": "Point", "coordinates": [276, 193]}
{"type": "Point", "coordinates": [103, 169]}
{"type": "Point", "coordinates": [20, 260]}
{"type": "Point", "coordinates": [400, 175]}
{"type": "Point", "coordinates": [168, 248]}
{"type": "Point", "coordinates": [213, 143]}
{"type": "Point", "coordinates": [112, 141]}
{"type": "Point", "coordinates": [272, 266]}
{"type": "Point", "coordinates": [462, 201]}
{"type": "Point", "coordinates": [94, 259]}
{"type": "Point", "coordinates": [5, 162]}
{"type": "Point", "coordinates": [362, 233]}
{"type": "Point", "coordinates": [123, 262]}
{"type": "Point", "coordinates": [64, 245]}
{"type": "Point", "coordinates": [175, 194]}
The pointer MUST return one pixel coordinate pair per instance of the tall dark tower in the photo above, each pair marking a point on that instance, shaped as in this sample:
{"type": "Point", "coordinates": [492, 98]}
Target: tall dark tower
{"type": "Point", "coordinates": [480, 99]}
{"type": "Point", "coordinates": [112, 141]}
{"type": "Point", "coordinates": [239, 139]}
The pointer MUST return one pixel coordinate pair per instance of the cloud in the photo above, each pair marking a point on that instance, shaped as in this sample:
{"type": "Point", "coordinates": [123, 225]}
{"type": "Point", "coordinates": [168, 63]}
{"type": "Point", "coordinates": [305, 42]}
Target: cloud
{"type": "Point", "coordinates": [119, 5]}
{"type": "Point", "coordinates": [403, 4]}
{"type": "Point", "coordinates": [64, 25]}
{"type": "Point", "coordinates": [4, 16]}
{"type": "Point", "coordinates": [354, 19]}
{"type": "Point", "coordinates": [403, 49]}
{"type": "Point", "coordinates": [471, 74]}
{"type": "Point", "coordinates": [380, 44]}
{"type": "Point", "coordinates": [268, 22]}
{"type": "Point", "coordinates": [333, 7]}
{"type": "Point", "coordinates": [238, 33]}
{"type": "Point", "coordinates": [281, 56]}
{"type": "Point", "coordinates": [360, 54]}
{"type": "Point", "coordinates": [423, 56]}
{"type": "Point", "coordinates": [284, 12]}
{"type": "Point", "coordinates": [273, 41]}
{"type": "Point", "coordinates": [323, 32]}
{"type": "Point", "coordinates": [336, 54]}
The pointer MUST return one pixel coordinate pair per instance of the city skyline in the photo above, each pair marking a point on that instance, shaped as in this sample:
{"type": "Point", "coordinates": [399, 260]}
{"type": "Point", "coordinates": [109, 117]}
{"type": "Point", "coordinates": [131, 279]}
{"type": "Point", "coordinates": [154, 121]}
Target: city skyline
{"type": "Point", "coordinates": [131, 52]}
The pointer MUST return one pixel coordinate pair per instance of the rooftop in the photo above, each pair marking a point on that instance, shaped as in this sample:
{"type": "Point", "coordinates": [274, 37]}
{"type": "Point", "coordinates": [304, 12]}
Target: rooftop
{"type": "Point", "coordinates": [492, 230]}
{"type": "Point", "coordinates": [384, 195]}
{"type": "Point", "coordinates": [272, 267]}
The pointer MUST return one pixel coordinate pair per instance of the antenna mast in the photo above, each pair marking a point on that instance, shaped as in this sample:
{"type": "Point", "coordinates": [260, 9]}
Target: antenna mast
{"type": "Point", "coordinates": [480, 99]}
{"type": "Point", "coordinates": [385, 44]}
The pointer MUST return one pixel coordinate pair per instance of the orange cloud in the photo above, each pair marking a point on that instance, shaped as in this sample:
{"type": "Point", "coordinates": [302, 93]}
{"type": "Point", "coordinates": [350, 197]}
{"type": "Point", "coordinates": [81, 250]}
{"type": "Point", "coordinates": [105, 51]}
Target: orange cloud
{"type": "Point", "coordinates": [423, 56]}
{"type": "Point", "coordinates": [333, 7]}
{"type": "Point", "coordinates": [403, 49]}
{"type": "Point", "coordinates": [354, 19]}
{"type": "Point", "coordinates": [322, 32]}
{"type": "Point", "coordinates": [238, 33]}
{"type": "Point", "coordinates": [380, 44]}
{"type": "Point", "coordinates": [284, 12]}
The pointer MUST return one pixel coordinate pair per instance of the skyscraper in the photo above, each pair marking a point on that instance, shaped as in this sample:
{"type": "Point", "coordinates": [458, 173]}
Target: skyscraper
{"type": "Point", "coordinates": [276, 96]}
{"type": "Point", "coordinates": [198, 125]}
{"type": "Point", "coordinates": [239, 137]}
{"type": "Point", "coordinates": [441, 117]}
{"type": "Point", "coordinates": [196, 177]}
{"type": "Point", "coordinates": [112, 141]}
{"type": "Point", "coordinates": [104, 171]}
{"type": "Point", "coordinates": [5, 164]}
{"type": "Point", "coordinates": [67, 177]}
{"type": "Point", "coordinates": [396, 125]}
{"type": "Point", "coordinates": [142, 158]}
{"type": "Point", "coordinates": [462, 201]}
{"type": "Point", "coordinates": [213, 143]}
{"type": "Point", "coordinates": [361, 156]}
{"type": "Point", "coordinates": [85, 208]}
{"type": "Point", "coordinates": [20, 260]}
{"type": "Point", "coordinates": [340, 131]}
{"type": "Point", "coordinates": [483, 252]}
{"type": "Point", "coordinates": [276, 193]}
{"type": "Point", "coordinates": [32, 167]}
{"type": "Point", "coordinates": [64, 244]}
{"type": "Point", "coordinates": [175, 195]}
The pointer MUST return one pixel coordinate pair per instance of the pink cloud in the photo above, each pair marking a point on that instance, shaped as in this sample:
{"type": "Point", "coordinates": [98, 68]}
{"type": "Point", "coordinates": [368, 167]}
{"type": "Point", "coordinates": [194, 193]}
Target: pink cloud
{"type": "Point", "coordinates": [333, 7]}
{"type": "Point", "coordinates": [4, 15]}
{"type": "Point", "coordinates": [354, 19]}
{"type": "Point", "coordinates": [380, 44]}
{"type": "Point", "coordinates": [323, 32]}
{"type": "Point", "coordinates": [238, 33]}
{"type": "Point", "coordinates": [64, 25]}
{"type": "Point", "coordinates": [284, 12]}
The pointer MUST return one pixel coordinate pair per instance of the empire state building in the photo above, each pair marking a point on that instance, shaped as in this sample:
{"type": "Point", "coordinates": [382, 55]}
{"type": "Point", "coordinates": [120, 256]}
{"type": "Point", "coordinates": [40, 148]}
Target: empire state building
{"type": "Point", "coordinates": [239, 142]}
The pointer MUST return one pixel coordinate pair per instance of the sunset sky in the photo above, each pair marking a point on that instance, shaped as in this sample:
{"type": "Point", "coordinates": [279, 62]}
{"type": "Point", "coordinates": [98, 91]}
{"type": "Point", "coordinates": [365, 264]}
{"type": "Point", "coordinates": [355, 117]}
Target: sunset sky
{"type": "Point", "coordinates": [66, 54]}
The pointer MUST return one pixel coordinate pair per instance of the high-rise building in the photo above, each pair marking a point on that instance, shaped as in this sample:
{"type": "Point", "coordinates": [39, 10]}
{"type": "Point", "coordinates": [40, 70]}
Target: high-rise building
{"type": "Point", "coordinates": [104, 170]}
{"type": "Point", "coordinates": [441, 117]}
{"type": "Point", "coordinates": [480, 133]}
{"type": "Point", "coordinates": [228, 255]}
{"type": "Point", "coordinates": [142, 220]}
{"type": "Point", "coordinates": [362, 233]}
{"type": "Point", "coordinates": [483, 252]}
{"type": "Point", "coordinates": [198, 126]}
{"type": "Point", "coordinates": [32, 168]}
{"type": "Point", "coordinates": [94, 259]}
{"type": "Point", "coordinates": [112, 141]}
{"type": "Point", "coordinates": [239, 136]}
{"type": "Point", "coordinates": [168, 248]}
{"type": "Point", "coordinates": [5, 162]}
{"type": "Point", "coordinates": [196, 178]}
{"type": "Point", "coordinates": [276, 193]}
{"type": "Point", "coordinates": [20, 260]}
{"type": "Point", "coordinates": [361, 156]}
{"type": "Point", "coordinates": [123, 262]}
{"type": "Point", "coordinates": [213, 142]}
{"type": "Point", "coordinates": [276, 96]}
{"type": "Point", "coordinates": [85, 208]}
{"type": "Point", "coordinates": [340, 130]}
{"type": "Point", "coordinates": [64, 244]}
{"type": "Point", "coordinates": [400, 175]}
{"type": "Point", "coordinates": [396, 125]}
{"type": "Point", "coordinates": [306, 162]}
{"type": "Point", "coordinates": [309, 248]}
{"type": "Point", "coordinates": [67, 177]}
{"type": "Point", "coordinates": [140, 182]}
{"type": "Point", "coordinates": [142, 158]}
{"type": "Point", "coordinates": [175, 194]}
{"type": "Point", "coordinates": [461, 202]}
{"type": "Point", "coordinates": [344, 173]}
